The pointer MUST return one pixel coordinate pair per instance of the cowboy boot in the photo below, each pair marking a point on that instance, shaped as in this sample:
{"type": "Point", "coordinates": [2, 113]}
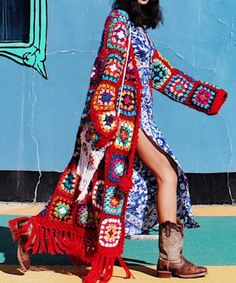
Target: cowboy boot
{"type": "Point", "coordinates": [171, 261]}
{"type": "Point", "coordinates": [21, 232]}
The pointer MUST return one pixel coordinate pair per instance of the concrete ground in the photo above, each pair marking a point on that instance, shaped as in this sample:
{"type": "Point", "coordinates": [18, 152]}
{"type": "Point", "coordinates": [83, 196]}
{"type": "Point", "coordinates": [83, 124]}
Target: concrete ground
{"type": "Point", "coordinates": [212, 245]}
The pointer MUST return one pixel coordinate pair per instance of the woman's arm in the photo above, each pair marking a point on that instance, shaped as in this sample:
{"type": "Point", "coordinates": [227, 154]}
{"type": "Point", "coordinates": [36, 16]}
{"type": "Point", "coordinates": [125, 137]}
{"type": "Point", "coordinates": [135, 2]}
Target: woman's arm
{"type": "Point", "coordinates": [103, 109]}
{"type": "Point", "coordinates": [182, 88]}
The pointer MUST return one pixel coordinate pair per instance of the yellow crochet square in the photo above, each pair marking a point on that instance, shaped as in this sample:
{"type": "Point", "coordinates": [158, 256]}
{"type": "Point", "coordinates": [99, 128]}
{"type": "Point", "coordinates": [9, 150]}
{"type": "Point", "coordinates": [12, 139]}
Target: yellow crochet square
{"type": "Point", "coordinates": [125, 134]}
{"type": "Point", "coordinates": [104, 97]}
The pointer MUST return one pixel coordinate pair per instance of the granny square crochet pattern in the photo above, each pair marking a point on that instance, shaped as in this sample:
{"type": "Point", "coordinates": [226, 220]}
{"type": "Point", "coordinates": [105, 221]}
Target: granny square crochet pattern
{"type": "Point", "coordinates": [113, 67]}
{"type": "Point", "coordinates": [118, 167]}
{"type": "Point", "coordinates": [124, 136]}
{"type": "Point", "coordinates": [117, 34]}
{"type": "Point", "coordinates": [203, 97]}
{"type": "Point", "coordinates": [110, 232]}
{"type": "Point", "coordinates": [107, 121]}
{"type": "Point", "coordinates": [178, 88]}
{"type": "Point", "coordinates": [61, 209]}
{"type": "Point", "coordinates": [104, 97]}
{"type": "Point", "coordinates": [113, 201]}
{"type": "Point", "coordinates": [68, 183]}
{"type": "Point", "coordinates": [160, 73]}
{"type": "Point", "coordinates": [182, 88]}
{"type": "Point", "coordinates": [127, 103]}
{"type": "Point", "coordinates": [85, 216]}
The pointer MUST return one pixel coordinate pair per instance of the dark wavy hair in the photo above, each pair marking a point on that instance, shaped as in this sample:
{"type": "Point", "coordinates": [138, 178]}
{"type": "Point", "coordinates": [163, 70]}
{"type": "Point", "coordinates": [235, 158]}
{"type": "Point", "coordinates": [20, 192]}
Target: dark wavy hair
{"type": "Point", "coordinates": [147, 16]}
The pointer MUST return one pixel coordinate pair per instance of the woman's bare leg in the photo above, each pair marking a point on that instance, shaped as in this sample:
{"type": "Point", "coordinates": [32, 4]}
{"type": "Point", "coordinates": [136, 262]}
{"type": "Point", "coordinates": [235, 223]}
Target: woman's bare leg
{"type": "Point", "coordinates": [165, 171]}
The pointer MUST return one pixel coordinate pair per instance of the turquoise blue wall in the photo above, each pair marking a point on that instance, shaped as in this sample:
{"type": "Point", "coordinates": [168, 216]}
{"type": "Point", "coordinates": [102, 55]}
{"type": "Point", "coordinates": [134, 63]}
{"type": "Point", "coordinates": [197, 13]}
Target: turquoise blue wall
{"type": "Point", "coordinates": [39, 118]}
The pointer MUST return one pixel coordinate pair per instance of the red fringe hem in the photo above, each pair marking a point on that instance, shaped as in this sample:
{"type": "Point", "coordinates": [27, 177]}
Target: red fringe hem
{"type": "Point", "coordinates": [102, 269]}
{"type": "Point", "coordinates": [53, 237]}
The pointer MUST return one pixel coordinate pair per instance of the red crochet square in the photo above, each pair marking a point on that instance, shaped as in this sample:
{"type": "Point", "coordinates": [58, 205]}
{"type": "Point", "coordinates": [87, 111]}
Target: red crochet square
{"type": "Point", "coordinates": [61, 209]}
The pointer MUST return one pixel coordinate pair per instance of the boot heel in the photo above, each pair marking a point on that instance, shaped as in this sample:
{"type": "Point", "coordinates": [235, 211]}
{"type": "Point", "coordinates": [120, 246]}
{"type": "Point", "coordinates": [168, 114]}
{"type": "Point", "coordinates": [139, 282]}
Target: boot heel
{"type": "Point", "coordinates": [164, 274]}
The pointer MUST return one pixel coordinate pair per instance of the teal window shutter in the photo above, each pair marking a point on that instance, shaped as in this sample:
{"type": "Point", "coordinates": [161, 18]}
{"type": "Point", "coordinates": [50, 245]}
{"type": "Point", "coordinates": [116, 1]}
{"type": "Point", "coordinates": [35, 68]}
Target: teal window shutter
{"type": "Point", "coordinates": [23, 32]}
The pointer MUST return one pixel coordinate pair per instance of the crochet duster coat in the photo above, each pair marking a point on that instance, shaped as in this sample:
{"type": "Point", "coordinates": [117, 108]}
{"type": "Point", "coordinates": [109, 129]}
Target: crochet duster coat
{"type": "Point", "coordinates": [84, 218]}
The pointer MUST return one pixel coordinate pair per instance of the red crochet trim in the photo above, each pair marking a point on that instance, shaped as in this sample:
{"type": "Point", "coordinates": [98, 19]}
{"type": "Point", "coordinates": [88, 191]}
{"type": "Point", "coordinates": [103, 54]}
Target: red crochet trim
{"type": "Point", "coordinates": [102, 265]}
{"type": "Point", "coordinates": [54, 237]}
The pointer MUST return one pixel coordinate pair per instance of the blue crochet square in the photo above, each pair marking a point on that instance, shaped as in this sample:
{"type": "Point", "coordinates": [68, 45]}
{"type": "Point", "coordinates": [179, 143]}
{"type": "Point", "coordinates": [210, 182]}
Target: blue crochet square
{"type": "Point", "coordinates": [113, 201]}
{"type": "Point", "coordinates": [118, 167]}
{"type": "Point", "coordinates": [127, 101]}
{"type": "Point", "coordinates": [160, 73]}
{"type": "Point", "coordinates": [178, 88]}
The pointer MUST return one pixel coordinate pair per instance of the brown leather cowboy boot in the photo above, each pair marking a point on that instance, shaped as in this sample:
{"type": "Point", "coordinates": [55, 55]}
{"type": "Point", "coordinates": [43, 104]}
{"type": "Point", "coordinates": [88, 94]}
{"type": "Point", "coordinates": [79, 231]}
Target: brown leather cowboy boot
{"type": "Point", "coordinates": [22, 234]}
{"type": "Point", "coordinates": [171, 262]}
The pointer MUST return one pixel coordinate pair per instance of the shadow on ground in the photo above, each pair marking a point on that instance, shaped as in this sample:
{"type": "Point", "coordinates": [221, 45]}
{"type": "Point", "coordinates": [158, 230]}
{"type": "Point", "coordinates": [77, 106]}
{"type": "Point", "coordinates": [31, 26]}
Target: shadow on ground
{"type": "Point", "coordinates": [57, 263]}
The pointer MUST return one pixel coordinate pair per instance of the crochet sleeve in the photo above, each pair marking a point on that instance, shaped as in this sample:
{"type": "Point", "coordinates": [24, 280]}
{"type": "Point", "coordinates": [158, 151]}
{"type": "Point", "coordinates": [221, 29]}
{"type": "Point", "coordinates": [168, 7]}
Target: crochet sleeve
{"type": "Point", "coordinates": [174, 83]}
{"type": "Point", "coordinates": [103, 105]}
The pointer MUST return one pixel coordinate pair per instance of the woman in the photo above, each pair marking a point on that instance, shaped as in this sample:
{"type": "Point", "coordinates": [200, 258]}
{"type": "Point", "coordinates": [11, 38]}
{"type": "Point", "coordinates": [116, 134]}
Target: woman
{"type": "Point", "coordinates": [123, 178]}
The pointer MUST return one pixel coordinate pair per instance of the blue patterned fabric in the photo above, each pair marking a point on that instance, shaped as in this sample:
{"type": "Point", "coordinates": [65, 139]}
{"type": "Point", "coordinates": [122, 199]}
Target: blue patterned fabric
{"type": "Point", "coordinates": [141, 214]}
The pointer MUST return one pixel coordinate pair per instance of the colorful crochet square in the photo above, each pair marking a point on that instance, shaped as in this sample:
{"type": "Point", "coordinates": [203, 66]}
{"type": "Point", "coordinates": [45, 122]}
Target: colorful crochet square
{"type": "Point", "coordinates": [85, 216]}
{"type": "Point", "coordinates": [104, 97]}
{"type": "Point", "coordinates": [113, 68]}
{"type": "Point", "coordinates": [61, 209]}
{"type": "Point", "coordinates": [178, 88]}
{"type": "Point", "coordinates": [68, 183]}
{"type": "Point", "coordinates": [118, 167]}
{"type": "Point", "coordinates": [107, 121]}
{"type": "Point", "coordinates": [97, 193]}
{"type": "Point", "coordinates": [117, 34]}
{"type": "Point", "coordinates": [90, 133]}
{"type": "Point", "coordinates": [127, 102]}
{"type": "Point", "coordinates": [203, 97]}
{"type": "Point", "coordinates": [160, 73]}
{"type": "Point", "coordinates": [110, 232]}
{"type": "Point", "coordinates": [113, 201]}
{"type": "Point", "coordinates": [124, 136]}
